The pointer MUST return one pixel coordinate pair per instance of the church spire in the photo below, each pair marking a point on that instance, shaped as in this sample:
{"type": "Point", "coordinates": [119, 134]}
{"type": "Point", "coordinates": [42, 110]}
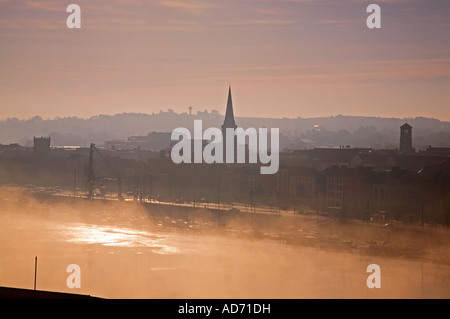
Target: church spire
{"type": "Point", "coordinates": [229, 115]}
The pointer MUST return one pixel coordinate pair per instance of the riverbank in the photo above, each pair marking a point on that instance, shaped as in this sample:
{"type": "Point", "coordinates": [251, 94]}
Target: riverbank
{"type": "Point", "coordinates": [428, 243]}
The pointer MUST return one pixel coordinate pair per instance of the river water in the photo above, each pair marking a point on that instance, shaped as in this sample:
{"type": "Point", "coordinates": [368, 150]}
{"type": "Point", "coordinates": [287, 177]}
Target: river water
{"type": "Point", "coordinates": [125, 253]}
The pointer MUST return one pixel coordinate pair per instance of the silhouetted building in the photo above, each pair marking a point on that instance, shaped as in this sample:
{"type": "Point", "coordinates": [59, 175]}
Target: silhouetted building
{"type": "Point", "coordinates": [229, 115]}
{"type": "Point", "coordinates": [302, 182]}
{"type": "Point", "coordinates": [11, 150]}
{"type": "Point", "coordinates": [347, 190]}
{"type": "Point", "coordinates": [439, 151]}
{"type": "Point", "coordinates": [155, 141]}
{"type": "Point", "coordinates": [406, 139]}
{"type": "Point", "coordinates": [228, 123]}
{"type": "Point", "coordinates": [41, 145]}
{"type": "Point", "coordinates": [400, 194]}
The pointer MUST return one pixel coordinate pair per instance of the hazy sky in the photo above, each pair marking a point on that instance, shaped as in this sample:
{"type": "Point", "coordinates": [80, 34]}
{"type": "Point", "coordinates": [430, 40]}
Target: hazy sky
{"type": "Point", "coordinates": [283, 58]}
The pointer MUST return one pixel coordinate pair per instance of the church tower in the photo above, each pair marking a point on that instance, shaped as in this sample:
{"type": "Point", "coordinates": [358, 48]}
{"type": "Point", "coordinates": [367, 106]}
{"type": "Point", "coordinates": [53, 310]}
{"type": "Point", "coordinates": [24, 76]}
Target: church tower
{"type": "Point", "coordinates": [406, 139]}
{"type": "Point", "coordinates": [229, 115]}
{"type": "Point", "coordinates": [228, 123]}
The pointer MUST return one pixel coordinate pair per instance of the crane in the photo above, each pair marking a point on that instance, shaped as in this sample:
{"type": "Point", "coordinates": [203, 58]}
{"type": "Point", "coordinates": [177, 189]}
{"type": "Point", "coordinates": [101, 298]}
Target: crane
{"type": "Point", "coordinates": [91, 173]}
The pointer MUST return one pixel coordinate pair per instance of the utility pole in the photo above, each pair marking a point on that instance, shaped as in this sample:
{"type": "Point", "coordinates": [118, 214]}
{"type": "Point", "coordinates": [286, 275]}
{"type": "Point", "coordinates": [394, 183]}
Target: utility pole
{"type": "Point", "coordinates": [138, 194]}
{"type": "Point", "coordinates": [75, 182]}
{"type": "Point", "coordinates": [251, 200]}
{"type": "Point", "coordinates": [151, 187]}
{"type": "Point", "coordinates": [343, 205]}
{"type": "Point", "coordinates": [421, 217]}
{"type": "Point", "coordinates": [35, 272]}
{"type": "Point", "coordinates": [119, 195]}
{"type": "Point", "coordinates": [367, 212]}
{"type": "Point", "coordinates": [218, 197]}
{"type": "Point", "coordinates": [90, 173]}
{"type": "Point", "coordinates": [317, 206]}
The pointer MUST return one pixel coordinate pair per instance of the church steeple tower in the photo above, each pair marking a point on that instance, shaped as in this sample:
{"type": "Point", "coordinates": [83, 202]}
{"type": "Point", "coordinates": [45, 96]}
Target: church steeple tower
{"type": "Point", "coordinates": [406, 139]}
{"type": "Point", "coordinates": [229, 115]}
{"type": "Point", "coordinates": [228, 123]}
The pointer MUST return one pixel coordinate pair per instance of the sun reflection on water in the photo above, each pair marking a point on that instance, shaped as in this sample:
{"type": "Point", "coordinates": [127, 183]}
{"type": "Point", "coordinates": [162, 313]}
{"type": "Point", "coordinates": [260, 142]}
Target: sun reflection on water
{"type": "Point", "coordinates": [118, 237]}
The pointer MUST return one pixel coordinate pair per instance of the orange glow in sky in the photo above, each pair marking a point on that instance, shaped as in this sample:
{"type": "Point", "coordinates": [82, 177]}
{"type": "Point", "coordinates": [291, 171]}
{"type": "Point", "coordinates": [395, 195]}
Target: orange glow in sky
{"type": "Point", "coordinates": [284, 58]}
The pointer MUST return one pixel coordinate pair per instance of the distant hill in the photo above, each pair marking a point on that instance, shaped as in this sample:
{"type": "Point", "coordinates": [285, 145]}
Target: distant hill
{"type": "Point", "coordinates": [355, 131]}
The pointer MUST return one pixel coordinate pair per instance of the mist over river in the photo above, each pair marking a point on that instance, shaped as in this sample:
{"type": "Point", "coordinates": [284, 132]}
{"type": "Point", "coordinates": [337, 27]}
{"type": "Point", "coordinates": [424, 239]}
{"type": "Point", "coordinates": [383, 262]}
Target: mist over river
{"type": "Point", "coordinates": [126, 251]}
